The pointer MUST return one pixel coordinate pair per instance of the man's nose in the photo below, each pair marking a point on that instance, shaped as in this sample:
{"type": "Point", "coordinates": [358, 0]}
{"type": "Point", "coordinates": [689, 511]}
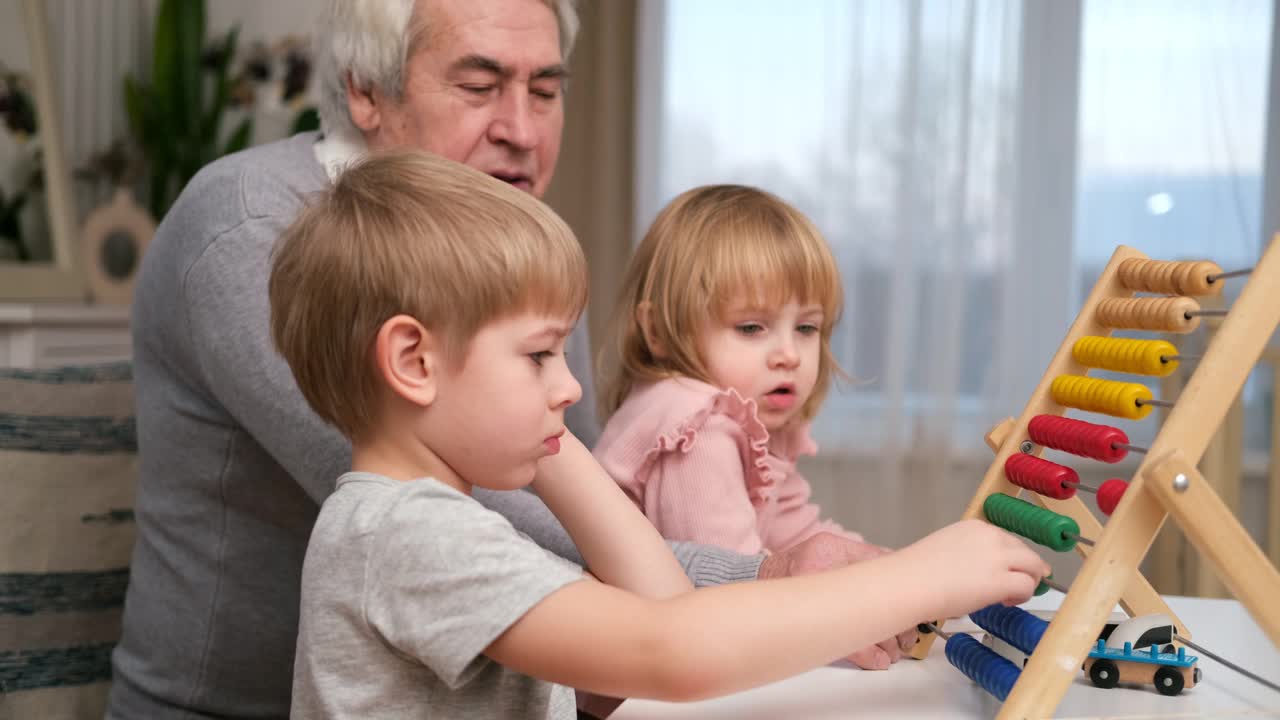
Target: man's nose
{"type": "Point", "coordinates": [513, 125]}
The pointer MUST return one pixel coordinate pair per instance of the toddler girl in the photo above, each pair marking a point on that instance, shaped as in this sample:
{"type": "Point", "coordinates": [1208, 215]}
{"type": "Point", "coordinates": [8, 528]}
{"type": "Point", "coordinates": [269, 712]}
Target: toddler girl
{"type": "Point", "coordinates": [722, 335]}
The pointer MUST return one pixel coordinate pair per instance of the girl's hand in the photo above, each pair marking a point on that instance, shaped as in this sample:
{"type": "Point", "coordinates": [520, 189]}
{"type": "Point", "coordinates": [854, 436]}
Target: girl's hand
{"type": "Point", "coordinates": [822, 551]}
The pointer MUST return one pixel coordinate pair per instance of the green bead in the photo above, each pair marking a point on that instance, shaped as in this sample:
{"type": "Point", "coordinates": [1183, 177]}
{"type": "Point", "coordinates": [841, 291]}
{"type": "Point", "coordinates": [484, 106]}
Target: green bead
{"type": "Point", "coordinates": [1042, 588]}
{"type": "Point", "coordinates": [1034, 523]}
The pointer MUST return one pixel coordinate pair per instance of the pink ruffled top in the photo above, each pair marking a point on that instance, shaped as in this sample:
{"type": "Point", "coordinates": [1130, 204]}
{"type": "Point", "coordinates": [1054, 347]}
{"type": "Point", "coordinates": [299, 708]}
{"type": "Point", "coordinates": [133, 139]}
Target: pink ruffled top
{"type": "Point", "coordinates": [703, 468]}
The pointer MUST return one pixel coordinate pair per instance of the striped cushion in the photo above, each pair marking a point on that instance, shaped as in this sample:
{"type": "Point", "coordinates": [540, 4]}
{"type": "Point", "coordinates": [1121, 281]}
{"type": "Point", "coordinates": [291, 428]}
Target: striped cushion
{"type": "Point", "coordinates": [68, 466]}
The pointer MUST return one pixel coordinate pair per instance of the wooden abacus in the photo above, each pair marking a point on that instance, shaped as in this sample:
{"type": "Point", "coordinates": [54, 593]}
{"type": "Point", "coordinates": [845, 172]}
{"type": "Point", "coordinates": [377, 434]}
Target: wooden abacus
{"type": "Point", "coordinates": [1166, 482]}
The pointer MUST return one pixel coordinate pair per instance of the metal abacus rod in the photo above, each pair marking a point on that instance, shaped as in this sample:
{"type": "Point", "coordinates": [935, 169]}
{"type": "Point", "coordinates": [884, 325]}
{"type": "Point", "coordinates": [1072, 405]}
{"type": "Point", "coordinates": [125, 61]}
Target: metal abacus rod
{"type": "Point", "coordinates": [1224, 661]}
{"type": "Point", "coordinates": [1224, 275]}
{"type": "Point", "coordinates": [1078, 538]}
{"type": "Point", "coordinates": [1080, 486]}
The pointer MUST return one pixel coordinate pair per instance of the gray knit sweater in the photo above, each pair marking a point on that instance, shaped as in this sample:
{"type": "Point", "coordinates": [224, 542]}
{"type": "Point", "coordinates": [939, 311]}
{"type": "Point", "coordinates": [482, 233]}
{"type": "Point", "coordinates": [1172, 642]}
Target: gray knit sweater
{"type": "Point", "coordinates": [234, 465]}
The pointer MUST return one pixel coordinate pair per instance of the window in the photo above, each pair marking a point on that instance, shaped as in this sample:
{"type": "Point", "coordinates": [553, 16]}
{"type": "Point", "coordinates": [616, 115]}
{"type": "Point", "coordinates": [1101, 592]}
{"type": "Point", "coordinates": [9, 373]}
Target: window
{"type": "Point", "coordinates": [1172, 136]}
{"type": "Point", "coordinates": [895, 126]}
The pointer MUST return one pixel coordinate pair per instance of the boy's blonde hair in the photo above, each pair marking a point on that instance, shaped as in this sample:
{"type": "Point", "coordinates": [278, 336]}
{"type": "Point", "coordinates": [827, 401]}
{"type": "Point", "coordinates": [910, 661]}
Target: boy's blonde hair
{"type": "Point", "coordinates": [414, 234]}
{"type": "Point", "coordinates": [708, 248]}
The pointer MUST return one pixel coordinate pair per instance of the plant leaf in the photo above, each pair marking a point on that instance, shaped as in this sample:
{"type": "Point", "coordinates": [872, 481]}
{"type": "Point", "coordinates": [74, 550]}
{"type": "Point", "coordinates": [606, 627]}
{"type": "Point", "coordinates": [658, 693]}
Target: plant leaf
{"type": "Point", "coordinates": [306, 120]}
{"type": "Point", "coordinates": [190, 31]}
{"type": "Point", "coordinates": [211, 124]}
{"type": "Point", "coordinates": [165, 59]}
{"type": "Point", "coordinates": [133, 108]}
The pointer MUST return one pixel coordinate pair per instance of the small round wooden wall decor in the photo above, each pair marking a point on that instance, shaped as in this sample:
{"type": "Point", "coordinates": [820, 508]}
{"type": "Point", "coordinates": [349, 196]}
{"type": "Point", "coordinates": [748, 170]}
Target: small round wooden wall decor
{"type": "Point", "coordinates": [115, 237]}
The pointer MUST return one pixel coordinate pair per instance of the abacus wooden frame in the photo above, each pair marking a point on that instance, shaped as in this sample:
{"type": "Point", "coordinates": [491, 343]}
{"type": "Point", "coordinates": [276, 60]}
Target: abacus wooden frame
{"type": "Point", "coordinates": [1110, 571]}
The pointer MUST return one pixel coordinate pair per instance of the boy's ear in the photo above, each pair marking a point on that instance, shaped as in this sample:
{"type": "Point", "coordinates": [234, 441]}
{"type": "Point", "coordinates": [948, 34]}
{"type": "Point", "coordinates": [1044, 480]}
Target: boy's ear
{"type": "Point", "coordinates": [644, 318]}
{"type": "Point", "coordinates": [409, 359]}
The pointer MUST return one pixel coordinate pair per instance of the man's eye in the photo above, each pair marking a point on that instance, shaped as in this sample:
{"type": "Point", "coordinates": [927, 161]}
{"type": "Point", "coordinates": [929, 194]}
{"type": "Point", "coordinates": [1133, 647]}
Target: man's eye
{"type": "Point", "coordinates": [545, 94]}
{"type": "Point", "coordinates": [749, 328]}
{"type": "Point", "coordinates": [478, 89]}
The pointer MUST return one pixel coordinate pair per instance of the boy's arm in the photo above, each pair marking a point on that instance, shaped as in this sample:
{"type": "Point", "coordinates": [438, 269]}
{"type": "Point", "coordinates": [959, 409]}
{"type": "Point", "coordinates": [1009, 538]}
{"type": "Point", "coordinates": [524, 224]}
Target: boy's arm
{"type": "Point", "coordinates": [620, 546]}
{"type": "Point", "coordinates": [721, 640]}
{"type": "Point", "coordinates": [705, 565]}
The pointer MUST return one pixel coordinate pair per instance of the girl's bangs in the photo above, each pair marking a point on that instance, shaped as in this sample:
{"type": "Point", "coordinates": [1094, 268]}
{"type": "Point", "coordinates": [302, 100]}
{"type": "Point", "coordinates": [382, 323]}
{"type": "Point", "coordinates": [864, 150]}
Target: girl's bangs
{"type": "Point", "coordinates": [771, 270]}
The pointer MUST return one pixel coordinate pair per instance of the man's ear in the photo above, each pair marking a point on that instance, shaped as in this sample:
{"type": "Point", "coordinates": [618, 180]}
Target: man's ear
{"type": "Point", "coordinates": [408, 358]}
{"type": "Point", "coordinates": [364, 105]}
{"type": "Point", "coordinates": [644, 318]}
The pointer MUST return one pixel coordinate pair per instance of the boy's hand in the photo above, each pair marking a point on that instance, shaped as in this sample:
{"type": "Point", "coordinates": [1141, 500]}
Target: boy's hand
{"type": "Point", "coordinates": [825, 551]}
{"type": "Point", "coordinates": [971, 564]}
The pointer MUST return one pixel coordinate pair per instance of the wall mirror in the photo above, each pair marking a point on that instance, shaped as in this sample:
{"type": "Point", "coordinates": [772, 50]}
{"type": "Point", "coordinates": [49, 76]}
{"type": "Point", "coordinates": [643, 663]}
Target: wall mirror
{"type": "Point", "coordinates": [37, 218]}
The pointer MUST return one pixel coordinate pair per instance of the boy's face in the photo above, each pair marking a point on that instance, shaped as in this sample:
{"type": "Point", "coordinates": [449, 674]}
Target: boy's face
{"type": "Point", "coordinates": [502, 410]}
{"type": "Point", "coordinates": [768, 355]}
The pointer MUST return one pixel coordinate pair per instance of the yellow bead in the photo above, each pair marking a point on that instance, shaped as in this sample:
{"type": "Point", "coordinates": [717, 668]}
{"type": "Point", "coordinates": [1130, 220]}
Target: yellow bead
{"type": "Point", "coordinates": [1119, 399]}
{"type": "Point", "coordinates": [1141, 357]}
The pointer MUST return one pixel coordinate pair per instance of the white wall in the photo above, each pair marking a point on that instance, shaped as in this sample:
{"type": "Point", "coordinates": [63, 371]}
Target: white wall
{"type": "Point", "coordinates": [264, 20]}
{"type": "Point", "coordinates": [13, 36]}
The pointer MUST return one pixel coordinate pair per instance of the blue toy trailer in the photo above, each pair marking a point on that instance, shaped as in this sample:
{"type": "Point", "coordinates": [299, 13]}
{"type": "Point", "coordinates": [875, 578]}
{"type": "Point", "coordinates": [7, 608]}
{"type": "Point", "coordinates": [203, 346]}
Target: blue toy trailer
{"type": "Point", "coordinates": [1169, 672]}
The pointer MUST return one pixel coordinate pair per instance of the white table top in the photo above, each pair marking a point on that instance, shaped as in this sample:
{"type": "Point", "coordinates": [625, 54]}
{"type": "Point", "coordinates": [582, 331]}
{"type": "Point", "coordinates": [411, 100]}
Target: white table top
{"type": "Point", "coordinates": [932, 688]}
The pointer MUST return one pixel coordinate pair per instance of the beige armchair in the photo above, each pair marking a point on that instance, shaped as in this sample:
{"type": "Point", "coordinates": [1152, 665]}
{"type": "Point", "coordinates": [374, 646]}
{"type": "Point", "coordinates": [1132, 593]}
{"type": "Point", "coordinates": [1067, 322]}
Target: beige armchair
{"type": "Point", "coordinates": [68, 467]}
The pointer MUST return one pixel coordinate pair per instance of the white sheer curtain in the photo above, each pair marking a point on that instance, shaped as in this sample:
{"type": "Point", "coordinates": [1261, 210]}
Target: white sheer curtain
{"type": "Point", "coordinates": [1173, 115]}
{"type": "Point", "coordinates": [895, 126]}
{"type": "Point", "coordinates": [961, 158]}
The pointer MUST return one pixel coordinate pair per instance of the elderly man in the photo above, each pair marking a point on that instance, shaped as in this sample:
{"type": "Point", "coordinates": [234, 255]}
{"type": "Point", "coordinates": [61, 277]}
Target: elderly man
{"type": "Point", "coordinates": [234, 465]}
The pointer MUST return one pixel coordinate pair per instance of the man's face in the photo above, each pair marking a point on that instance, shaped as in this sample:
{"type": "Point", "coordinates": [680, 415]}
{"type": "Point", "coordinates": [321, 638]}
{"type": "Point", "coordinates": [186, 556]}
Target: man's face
{"type": "Point", "coordinates": [483, 88]}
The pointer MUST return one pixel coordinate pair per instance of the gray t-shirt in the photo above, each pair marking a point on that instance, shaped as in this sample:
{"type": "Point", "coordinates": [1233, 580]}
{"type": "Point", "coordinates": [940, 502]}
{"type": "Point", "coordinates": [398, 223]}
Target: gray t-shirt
{"type": "Point", "coordinates": [404, 586]}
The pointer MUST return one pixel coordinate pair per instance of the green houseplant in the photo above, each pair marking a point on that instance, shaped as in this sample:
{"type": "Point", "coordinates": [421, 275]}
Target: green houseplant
{"type": "Point", "coordinates": [176, 119]}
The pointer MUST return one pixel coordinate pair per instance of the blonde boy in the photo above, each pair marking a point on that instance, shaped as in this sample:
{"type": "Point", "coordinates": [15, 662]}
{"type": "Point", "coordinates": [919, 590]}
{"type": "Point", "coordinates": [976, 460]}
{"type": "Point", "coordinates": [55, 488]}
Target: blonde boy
{"type": "Point", "coordinates": [423, 307]}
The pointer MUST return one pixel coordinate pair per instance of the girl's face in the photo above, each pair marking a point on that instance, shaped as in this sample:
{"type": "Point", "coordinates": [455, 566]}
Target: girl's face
{"type": "Point", "coordinates": [769, 355]}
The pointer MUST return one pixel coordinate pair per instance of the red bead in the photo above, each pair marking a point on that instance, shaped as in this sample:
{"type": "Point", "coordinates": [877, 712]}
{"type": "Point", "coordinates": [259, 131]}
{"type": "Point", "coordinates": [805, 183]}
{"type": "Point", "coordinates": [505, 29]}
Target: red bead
{"type": "Point", "coordinates": [1040, 475]}
{"type": "Point", "coordinates": [1109, 494]}
{"type": "Point", "coordinates": [1078, 437]}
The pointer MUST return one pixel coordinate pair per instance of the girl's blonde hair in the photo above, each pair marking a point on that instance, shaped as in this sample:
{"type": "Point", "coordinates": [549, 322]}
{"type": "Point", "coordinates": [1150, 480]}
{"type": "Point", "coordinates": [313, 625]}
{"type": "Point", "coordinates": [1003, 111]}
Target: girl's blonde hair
{"type": "Point", "coordinates": [409, 233]}
{"type": "Point", "coordinates": [709, 247]}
